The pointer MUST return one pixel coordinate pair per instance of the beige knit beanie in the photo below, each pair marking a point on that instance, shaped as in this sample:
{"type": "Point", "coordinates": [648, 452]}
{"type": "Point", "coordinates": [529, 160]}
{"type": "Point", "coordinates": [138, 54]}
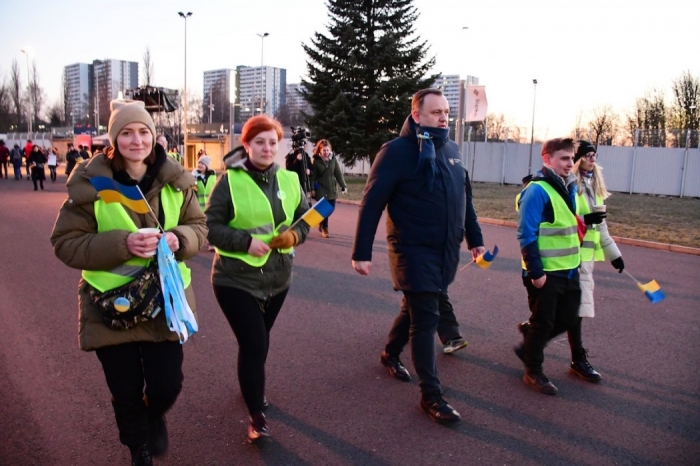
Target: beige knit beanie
{"type": "Point", "coordinates": [125, 112]}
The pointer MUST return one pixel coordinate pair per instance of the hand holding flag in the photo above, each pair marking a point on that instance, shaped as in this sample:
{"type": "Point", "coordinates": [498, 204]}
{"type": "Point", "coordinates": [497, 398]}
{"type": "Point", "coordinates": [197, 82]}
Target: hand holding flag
{"type": "Point", "coordinates": [484, 260]}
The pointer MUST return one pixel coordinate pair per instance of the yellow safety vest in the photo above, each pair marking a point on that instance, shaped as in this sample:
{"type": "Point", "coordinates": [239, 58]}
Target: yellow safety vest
{"type": "Point", "coordinates": [204, 191]}
{"type": "Point", "coordinates": [590, 247]}
{"type": "Point", "coordinates": [253, 212]}
{"type": "Point", "coordinates": [557, 241]}
{"type": "Point", "coordinates": [114, 217]}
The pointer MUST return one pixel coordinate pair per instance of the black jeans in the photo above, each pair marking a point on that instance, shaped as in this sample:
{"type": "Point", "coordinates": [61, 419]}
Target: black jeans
{"type": "Point", "coordinates": [127, 368]}
{"type": "Point", "coordinates": [52, 172]}
{"type": "Point", "coordinates": [447, 329]}
{"type": "Point", "coordinates": [324, 222]}
{"type": "Point", "coordinates": [417, 322]}
{"type": "Point", "coordinates": [554, 309]}
{"type": "Point", "coordinates": [251, 320]}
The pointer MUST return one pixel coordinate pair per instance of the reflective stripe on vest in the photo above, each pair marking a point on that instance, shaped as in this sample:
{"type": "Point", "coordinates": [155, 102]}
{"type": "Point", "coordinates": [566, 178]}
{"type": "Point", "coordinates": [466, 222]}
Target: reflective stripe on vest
{"type": "Point", "coordinates": [203, 191]}
{"type": "Point", "coordinates": [114, 217]}
{"type": "Point", "coordinates": [590, 247]}
{"type": "Point", "coordinates": [558, 241]}
{"type": "Point", "coordinates": [253, 212]}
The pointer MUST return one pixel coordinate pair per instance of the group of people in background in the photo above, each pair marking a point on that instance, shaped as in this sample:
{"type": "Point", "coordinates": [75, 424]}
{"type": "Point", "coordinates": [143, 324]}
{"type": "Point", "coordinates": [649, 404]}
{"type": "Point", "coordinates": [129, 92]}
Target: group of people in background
{"type": "Point", "coordinates": [250, 215]}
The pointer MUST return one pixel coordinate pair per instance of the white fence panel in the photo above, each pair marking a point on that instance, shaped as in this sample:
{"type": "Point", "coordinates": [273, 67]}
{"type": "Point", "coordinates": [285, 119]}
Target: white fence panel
{"type": "Point", "coordinates": [692, 175]}
{"type": "Point", "coordinates": [658, 171]}
{"type": "Point", "coordinates": [617, 167]}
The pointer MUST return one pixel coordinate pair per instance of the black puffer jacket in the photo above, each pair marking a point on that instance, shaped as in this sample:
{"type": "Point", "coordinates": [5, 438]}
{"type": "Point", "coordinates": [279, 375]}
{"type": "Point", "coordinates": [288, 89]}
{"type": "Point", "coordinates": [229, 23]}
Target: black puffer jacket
{"type": "Point", "coordinates": [424, 228]}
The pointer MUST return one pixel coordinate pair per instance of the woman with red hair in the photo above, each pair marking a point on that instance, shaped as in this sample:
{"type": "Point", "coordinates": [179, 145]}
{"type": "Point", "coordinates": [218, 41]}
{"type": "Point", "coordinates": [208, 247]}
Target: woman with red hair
{"type": "Point", "coordinates": [250, 215]}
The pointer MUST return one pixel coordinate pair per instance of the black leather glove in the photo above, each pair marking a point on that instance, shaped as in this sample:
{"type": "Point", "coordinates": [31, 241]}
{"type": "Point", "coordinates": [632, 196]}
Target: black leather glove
{"type": "Point", "coordinates": [619, 264]}
{"type": "Point", "coordinates": [594, 218]}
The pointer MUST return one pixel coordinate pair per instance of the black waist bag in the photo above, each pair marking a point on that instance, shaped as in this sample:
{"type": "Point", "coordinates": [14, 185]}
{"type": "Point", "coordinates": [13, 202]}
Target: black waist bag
{"type": "Point", "coordinates": [127, 306]}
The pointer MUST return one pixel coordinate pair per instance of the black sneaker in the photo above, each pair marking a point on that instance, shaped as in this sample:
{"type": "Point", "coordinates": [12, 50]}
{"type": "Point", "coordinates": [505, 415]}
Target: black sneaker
{"type": "Point", "coordinates": [158, 440]}
{"type": "Point", "coordinates": [581, 368]}
{"type": "Point", "coordinates": [540, 382]}
{"type": "Point", "coordinates": [396, 368]}
{"type": "Point", "coordinates": [438, 410]}
{"type": "Point", "coordinates": [141, 456]}
{"type": "Point", "coordinates": [257, 430]}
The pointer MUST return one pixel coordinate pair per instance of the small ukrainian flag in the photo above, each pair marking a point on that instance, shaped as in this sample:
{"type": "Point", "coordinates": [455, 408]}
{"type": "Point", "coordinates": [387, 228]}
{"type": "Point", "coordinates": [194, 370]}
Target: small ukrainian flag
{"type": "Point", "coordinates": [111, 191]}
{"type": "Point", "coordinates": [315, 215]}
{"type": "Point", "coordinates": [652, 290]}
{"type": "Point", "coordinates": [484, 260]}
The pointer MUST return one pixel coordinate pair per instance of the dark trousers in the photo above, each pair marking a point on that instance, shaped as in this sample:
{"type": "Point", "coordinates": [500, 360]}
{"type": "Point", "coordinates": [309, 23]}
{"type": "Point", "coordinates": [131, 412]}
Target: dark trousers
{"type": "Point", "coordinates": [324, 223]}
{"type": "Point", "coordinates": [18, 171]}
{"type": "Point", "coordinates": [251, 320]}
{"type": "Point", "coordinates": [554, 309]}
{"type": "Point", "coordinates": [417, 322]}
{"type": "Point", "coordinates": [127, 368]}
{"type": "Point", "coordinates": [447, 329]}
{"type": "Point", "coordinates": [3, 165]}
{"type": "Point", "coordinates": [52, 172]}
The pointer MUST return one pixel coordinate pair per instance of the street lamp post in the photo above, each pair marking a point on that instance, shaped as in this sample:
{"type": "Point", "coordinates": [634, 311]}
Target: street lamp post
{"type": "Point", "coordinates": [184, 148]}
{"type": "Point", "coordinates": [262, 87]}
{"type": "Point", "coordinates": [97, 100]}
{"type": "Point", "coordinates": [31, 99]}
{"type": "Point", "coordinates": [532, 134]}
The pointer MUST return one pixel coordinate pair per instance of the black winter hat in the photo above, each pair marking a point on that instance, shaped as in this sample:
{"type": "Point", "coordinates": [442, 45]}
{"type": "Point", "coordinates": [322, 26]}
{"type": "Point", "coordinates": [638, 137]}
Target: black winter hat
{"type": "Point", "coordinates": [584, 147]}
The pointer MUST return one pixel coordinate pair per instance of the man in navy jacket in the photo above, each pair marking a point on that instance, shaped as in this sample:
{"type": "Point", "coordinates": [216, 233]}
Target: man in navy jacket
{"type": "Point", "coordinates": [420, 177]}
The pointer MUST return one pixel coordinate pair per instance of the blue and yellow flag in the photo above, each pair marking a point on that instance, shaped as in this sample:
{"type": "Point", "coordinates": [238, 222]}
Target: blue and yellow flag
{"type": "Point", "coordinates": [315, 215]}
{"type": "Point", "coordinates": [484, 260]}
{"type": "Point", "coordinates": [129, 196]}
{"type": "Point", "coordinates": [652, 290]}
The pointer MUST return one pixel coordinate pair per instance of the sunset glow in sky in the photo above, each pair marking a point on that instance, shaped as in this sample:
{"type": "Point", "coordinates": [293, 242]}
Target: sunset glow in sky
{"type": "Point", "coordinates": [583, 54]}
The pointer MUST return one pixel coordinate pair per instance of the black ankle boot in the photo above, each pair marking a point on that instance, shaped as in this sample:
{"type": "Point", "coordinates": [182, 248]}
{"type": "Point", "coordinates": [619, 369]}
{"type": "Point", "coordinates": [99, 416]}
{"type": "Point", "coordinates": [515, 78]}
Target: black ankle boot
{"type": "Point", "coordinates": [141, 456]}
{"type": "Point", "coordinates": [582, 368]}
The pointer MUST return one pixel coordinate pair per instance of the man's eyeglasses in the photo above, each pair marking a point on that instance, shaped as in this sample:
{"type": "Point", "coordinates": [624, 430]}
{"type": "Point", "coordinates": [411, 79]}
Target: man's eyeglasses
{"type": "Point", "coordinates": [590, 156]}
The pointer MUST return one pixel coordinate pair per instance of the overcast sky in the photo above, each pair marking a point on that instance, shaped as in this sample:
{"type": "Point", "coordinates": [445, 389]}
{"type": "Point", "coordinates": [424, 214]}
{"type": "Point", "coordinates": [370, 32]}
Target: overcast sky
{"type": "Point", "coordinates": [583, 54]}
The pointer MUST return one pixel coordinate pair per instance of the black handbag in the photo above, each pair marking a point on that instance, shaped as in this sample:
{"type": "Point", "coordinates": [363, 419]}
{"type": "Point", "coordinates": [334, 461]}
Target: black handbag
{"type": "Point", "coordinates": [127, 306]}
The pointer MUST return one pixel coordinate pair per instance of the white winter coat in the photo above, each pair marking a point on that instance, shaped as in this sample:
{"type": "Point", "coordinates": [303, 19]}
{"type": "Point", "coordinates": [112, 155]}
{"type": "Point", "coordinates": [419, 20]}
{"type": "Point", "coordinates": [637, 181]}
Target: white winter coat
{"type": "Point", "coordinates": [610, 250]}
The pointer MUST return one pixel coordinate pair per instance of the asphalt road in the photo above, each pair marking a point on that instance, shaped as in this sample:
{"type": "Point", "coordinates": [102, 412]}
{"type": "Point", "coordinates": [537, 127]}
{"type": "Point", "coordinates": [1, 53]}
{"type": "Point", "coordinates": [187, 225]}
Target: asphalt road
{"type": "Point", "coordinates": [331, 401]}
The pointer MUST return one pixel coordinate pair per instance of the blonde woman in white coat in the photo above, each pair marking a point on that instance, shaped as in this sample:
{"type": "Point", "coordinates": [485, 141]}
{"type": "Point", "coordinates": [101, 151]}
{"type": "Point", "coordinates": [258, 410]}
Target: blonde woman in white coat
{"type": "Point", "coordinates": [597, 246]}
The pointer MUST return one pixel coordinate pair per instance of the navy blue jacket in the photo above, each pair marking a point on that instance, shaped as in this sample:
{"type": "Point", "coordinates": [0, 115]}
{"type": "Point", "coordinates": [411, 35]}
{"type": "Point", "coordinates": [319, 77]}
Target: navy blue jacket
{"type": "Point", "coordinates": [424, 228]}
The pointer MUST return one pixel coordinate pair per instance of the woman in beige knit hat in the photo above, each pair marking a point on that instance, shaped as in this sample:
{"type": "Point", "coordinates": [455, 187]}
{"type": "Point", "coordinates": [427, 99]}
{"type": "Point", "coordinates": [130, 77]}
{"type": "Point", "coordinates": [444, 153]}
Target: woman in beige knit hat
{"type": "Point", "coordinates": [142, 361]}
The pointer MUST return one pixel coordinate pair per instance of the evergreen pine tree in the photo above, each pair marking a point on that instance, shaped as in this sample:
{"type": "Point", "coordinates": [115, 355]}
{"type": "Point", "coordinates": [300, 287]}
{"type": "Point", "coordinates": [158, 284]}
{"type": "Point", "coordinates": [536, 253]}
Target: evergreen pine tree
{"type": "Point", "coordinates": [363, 74]}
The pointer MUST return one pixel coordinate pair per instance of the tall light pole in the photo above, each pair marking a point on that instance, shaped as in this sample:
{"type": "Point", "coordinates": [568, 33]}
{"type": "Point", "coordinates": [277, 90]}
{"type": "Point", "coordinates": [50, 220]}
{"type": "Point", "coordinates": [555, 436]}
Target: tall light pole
{"type": "Point", "coordinates": [29, 88]}
{"type": "Point", "coordinates": [184, 148]}
{"type": "Point", "coordinates": [97, 99]}
{"type": "Point", "coordinates": [262, 87]}
{"type": "Point", "coordinates": [532, 134]}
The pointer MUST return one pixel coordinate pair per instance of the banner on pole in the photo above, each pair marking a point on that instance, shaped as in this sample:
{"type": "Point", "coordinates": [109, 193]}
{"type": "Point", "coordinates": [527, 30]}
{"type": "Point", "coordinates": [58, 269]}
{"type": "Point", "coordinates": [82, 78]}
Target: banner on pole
{"type": "Point", "coordinates": [476, 104]}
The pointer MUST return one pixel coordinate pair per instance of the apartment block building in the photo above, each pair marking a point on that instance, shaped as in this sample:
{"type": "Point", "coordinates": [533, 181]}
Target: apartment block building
{"type": "Point", "coordinates": [89, 87]}
{"type": "Point", "coordinates": [260, 89]}
{"type": "Point", "coordinates": [216, 95]}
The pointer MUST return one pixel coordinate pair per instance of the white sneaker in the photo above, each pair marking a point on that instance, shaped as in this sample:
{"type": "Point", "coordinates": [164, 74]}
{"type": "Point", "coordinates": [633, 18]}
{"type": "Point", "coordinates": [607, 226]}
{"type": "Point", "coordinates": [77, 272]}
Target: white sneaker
{"type": "Point", "coordinates": [454, 345]}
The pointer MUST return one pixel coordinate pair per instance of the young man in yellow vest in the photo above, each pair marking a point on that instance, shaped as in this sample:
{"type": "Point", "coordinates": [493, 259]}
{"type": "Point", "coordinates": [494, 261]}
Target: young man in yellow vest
{"type": "Point", "coordinates": [550, 247]}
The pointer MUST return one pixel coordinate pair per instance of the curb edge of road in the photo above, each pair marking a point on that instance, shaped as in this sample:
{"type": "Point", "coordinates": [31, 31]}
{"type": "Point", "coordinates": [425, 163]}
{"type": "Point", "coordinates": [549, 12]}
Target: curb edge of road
{"type": "Point", "coordinates": [618, 239]}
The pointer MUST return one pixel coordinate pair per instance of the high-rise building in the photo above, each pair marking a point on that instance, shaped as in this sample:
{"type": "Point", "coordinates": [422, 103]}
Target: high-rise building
{"type": "Point", "coordinates": [450, 87]}
{"type": "Point", "coordinates": [216, 95]}
{"type": "Point", "coordinates": [109, 78]}
{"type": "Point", "coordinates": [296, 103]}
{"type": "Point", "coordinates": [266, 90]}
{"type": "Point", "coordinates": [77, 93]}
